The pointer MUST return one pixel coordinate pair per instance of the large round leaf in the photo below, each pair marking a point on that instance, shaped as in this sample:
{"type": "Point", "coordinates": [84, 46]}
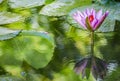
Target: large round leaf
{"type": "Point", "coordinates": [7, 33]}
{"type": "Point", "coordinates": [25, 3]}
{"type": "Point", "coordinates": [35, 47]}
{"type": "Point", "coordinates": [39, 51]}
{"type": "Point", "coordinates": [8, 17]}
{"type": "Point", "coordinates": [61, 7]}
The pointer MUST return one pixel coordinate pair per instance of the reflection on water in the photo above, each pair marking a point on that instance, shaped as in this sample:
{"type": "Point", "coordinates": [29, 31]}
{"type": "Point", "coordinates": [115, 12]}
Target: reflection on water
{"type": "Point", "coordinates": [112, 67]}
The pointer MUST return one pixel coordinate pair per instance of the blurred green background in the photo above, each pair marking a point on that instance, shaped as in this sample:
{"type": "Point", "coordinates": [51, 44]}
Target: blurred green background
{"type": "Point", "coordinates": [40, 41]}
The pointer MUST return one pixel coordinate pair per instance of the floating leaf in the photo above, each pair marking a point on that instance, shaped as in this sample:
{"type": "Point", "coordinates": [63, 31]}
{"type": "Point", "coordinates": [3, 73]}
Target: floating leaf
{"type": "Point", "coordinates": [41, 50]}
{"type": "Point", "coordinates": [25, 3]}
{"type": "Point", "coordinates": [7, 33]}
{"type": "Point", "coordinates": [61, 7]}
{"type": "Point", "coordinates": [35, 47]}
{"type": "Point", "coordinates": [108, 24]}
{"type": "Point", "coordinates": [38, 33]}
{"type": "Point", "coordinates": [8, 17]}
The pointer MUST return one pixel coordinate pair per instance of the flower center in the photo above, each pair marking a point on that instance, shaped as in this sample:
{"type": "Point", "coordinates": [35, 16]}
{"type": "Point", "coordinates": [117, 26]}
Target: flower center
{"type": "Point", "coordinates": [91, 18]}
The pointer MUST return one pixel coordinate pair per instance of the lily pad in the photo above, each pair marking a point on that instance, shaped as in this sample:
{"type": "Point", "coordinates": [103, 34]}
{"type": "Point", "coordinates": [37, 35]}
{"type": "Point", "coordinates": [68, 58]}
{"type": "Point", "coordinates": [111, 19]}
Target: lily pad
{"type": "Point", "coordinates": [8, 33]}
{"type": "Point", "coordinates": [39, 49]}
{"type": "Point", "coordinates": [34, 47]}
{"type": "Point", "coordinates": [8, 17]}
{"type": "Point", "coordinates": [61, 7]}
{"type": "Point", "coordinates": [25, 3]}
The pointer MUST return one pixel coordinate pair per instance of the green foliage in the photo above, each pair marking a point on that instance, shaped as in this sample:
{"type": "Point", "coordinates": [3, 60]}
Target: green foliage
{"type": "Point", "coordinates": [39, 40]}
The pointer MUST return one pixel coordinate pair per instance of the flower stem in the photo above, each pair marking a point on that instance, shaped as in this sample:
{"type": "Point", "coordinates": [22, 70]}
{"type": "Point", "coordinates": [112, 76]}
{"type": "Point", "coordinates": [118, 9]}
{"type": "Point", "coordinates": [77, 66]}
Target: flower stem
{"type": "Point", "coordinates": [92, 43]}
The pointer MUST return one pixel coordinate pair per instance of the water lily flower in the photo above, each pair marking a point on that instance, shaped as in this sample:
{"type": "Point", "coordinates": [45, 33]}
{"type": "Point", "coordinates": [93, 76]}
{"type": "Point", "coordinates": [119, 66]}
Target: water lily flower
{"type": "Point", "coordinates": [90, 19]}
{"type": "Point", "coordinates": [97, 66]}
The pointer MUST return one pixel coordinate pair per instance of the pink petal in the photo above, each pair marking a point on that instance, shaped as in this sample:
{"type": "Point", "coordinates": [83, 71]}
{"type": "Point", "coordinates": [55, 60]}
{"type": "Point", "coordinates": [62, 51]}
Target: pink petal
{"type": "Point", "coordinates": [82, 23]}
{"type": "Point", "coordinates": [85, 14]}
{"type": "Point", "coordinates": [82, 15]}
{"type": "Point", "coordinates": [99, 14]}
{"type": "Point", "coordinates": [88, 12]}
{"type": "Point", "coordinates": [80, 20]}
{"type": "Point", "coordinates": [100, 21]}
{"type": "Point", "coordinates": [93, 13]}
{"type": "Point", "coordinates": [93, 23]}
{"type": "Point", "coordinates": [77, 16]}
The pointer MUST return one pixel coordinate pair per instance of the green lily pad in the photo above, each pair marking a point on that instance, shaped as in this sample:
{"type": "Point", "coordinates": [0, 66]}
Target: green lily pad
{"type": "Point", "coordinates": [34, 47]}
{"type": "Point", "coordinates": [8, 17]}
{"type": "Point", "coordinates": [25, 3]}
{"type": "Point", "coordinates": [7, 33]}
{"type": "Point", "coordinates": [61, 7]}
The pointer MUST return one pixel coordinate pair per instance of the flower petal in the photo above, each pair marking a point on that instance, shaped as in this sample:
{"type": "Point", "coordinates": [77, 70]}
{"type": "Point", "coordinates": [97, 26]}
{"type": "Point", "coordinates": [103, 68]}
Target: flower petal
{"type": "Point", "coordinates": [88, 12]}
{"type": "Point", "coordinates": [78, 17]}
{"type": "Point", "coordinates": [93, 23]}
{"type": "Point", "coordinates": [85, 14]}
{"type": "Point", "coordinates": [99, 14]}
{"type": "Point", "coordinates": [81, 23]}
{"type": "Point", "coordinates": [82, 15]}
{"type": "Point", "coordinates": [100, 21]}
{"type": "Point", "coordinates": [93, 13]}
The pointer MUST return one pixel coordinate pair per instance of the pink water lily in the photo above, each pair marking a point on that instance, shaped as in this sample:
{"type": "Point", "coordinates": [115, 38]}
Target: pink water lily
{"type": "Point", "coordinates": [90, 19]}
